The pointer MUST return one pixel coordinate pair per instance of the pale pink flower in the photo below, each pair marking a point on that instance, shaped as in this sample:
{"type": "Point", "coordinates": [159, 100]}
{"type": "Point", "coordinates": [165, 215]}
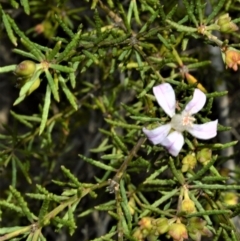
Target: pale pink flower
{"type": "Point", "coordinates": [174, 140]}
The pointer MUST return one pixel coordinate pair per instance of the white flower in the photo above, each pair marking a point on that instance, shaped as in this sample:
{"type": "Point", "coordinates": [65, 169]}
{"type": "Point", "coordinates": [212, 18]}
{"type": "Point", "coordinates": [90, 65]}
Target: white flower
{"type": "Point", "coordinates": [174, 141]}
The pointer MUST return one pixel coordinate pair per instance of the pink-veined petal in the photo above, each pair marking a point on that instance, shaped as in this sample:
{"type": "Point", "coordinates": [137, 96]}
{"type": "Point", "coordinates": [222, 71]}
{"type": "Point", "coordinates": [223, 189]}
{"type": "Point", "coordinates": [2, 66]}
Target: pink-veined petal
{"type": "Point", "coordinates": [165, 96]}
{"type": "Point", "coordinates": [196, 103]}
{"type": "Point", "coordinates": [158, 134]}
{"type": "Point", "coordinates": [174, 143]}
{"type": "Point", "coordinates": [204, 131]}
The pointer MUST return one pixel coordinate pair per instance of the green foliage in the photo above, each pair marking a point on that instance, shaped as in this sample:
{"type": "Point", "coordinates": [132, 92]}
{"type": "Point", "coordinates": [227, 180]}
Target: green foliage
{"type": "Point", "coordinates": [92, 67]}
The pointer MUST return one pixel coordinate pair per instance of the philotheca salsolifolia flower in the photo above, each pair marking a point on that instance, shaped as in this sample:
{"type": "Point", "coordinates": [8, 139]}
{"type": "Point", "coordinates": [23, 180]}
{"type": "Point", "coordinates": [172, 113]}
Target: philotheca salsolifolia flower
{"type": "Point", "coordinates": [170, 135]}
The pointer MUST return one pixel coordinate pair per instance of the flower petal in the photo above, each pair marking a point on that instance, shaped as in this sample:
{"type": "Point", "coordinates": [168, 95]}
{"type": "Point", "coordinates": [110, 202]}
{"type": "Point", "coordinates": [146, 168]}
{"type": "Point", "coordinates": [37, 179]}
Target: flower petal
{"type": "Point", "coordinates": [174, 143]}
{"type": "Point", "coordinates": [158, 134]}
{"type": "Point", "coordinates": [165, 96]}
{"type": "Point", "coordinates": [204, 131]}
{"type": "Point", "coordinates": [196, 103]}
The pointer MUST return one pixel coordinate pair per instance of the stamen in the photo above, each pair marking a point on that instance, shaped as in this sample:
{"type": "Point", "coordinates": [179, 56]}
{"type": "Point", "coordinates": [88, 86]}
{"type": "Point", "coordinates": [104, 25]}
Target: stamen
{"type": "Point", "coordinates": [182, 122]}
{"type": "Point", "coordinates": [187, 120]}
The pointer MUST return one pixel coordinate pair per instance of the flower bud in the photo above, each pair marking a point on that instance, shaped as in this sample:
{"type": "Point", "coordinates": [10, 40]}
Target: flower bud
{"type": "Point", "coordinates": [178, 231]}
{"type": "Point", "coordinates": [196, 236]}
{"type": "Point", "coordinates": [223, 19]}
{"type": "Point", "coordinates": [22, 81]}
{"type": "Point", "coordinates": [152, 237]}
{"type": "Point", "coordinates": [230, 198]}
{"type": "Point", "coordinates": [197, 228]}
{"type": "Point", "coordinates": [39, 28]}
{"type": "Point", "coordinates": [185, 167]}
{"type": "Point", "coordinates": [192, 80]}
{"type": "Point", "coordinates": [146, 223]}
{"type": "Point", "coordinates": [137, 234]}
{"type": "Point", "coordinates": [231, 57]}
{"type": "Point", "coordinates": [225, 24]}
{"type": "Point", "coordinates": [206, 232]}
{"type": "Point", "coordinates": [131, 205]}
{"type": "Point", "coordinates": [196, 223]}
{"type": "Point", "coordinates": [46, 28]}
{"type": "Point", "coordinates": [187, 205]}
{"type": "Point", "coordinates": [161, 225]}
{"type": "Point", "coordinates": [204, 156]}
{"type": "Point", "coordinates": [25, 69]}
{"type": "Point", "coordinates": [189, 162]}
{"type": "Point", "coordinates": [229, 27]}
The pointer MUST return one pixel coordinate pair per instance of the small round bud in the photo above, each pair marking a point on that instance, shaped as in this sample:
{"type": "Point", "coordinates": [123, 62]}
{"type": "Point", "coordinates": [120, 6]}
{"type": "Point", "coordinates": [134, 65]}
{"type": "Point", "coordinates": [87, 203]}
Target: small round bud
{"type": "Point", "coordinates": [185, 168]}
{"type": "Point", "coordinates": [46, 28]}
{"type": "Point", "coordinates": [178, 231]}
{"type": "Point", "coordinates": [152, 237]}
{"type": "Point", "coordinates": [229, 27]}
{"type": "Point", "coordinates": [161, 225]}
{"type": "Point", "coordinates": [204, 156]}
{"type": "Point", "coordinates": [188, 206]}
{"type": "Point", "coordinates": [146, 223]}
{"type": "Point", "coordinates": [231, 57]}
{"type": "Point", "coordinates": [225, 24]}
{"type": "Point", "coordinates": [223, 19]}
{"type": "Point", "coordinates": [25, 69]}
{"type": "Point", "coordinates": [189, 162]}
{"type": "Point", "coordinates": [138, 235]}
{"type": "Point", "coordinates": [230, 198]}
{"type": "Point", "coordinates": [196, 223]}
{"type": "Point", "coordinates": [197, 228]}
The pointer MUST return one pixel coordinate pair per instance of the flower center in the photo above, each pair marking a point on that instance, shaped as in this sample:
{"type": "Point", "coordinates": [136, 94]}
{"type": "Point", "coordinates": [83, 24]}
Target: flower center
{"type": "Point", "coordinates": [182, 122]}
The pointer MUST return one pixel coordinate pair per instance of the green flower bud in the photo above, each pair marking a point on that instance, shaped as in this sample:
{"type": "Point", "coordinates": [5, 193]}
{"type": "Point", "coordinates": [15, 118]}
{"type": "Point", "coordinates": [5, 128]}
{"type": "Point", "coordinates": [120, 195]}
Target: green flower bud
{"type": "Point", "coordinates": [131, 205]}
{"type": "Point", "coordinates": [229, 27]}
{"type": "Point", "coordinates": [206, 232]}
{"type": "Point", "coordinates": [223, 19]}
{"type": "Point", "coordinates": [22, 81]}
{"type": "Point", "coordinates": [138, 235]}
{"type": "Point", "coordinates": [25, 69]}
{"type": "Point", "coordinates": [146, 223]}
{"type": "Point", "coordinates": [230, 198]}
{"type": "Point", "coordinates": [161, 225]}
{"type": "Point", "coordinates": [185, 168]}
{"type": "Point", "coordinates": [46, 28]}
{"type": "Point", "coordinates": [196, 223]}
{"type": "Point", "coordinates": [187, 205]}
{"type": "Point", "coordinates": [189, 162]}
{"type": "Point", "coordinates": [204, 156]}
{"type": "Point", "coordinates": [197, 228]}
{"type": "Point", "coordinates": [225, 24]}
{"type": "Point", "coordinates": [196, 236]}
{"type": "Point", "coordinates": [178, 231]}
{"type": "Point", "coordinates": [152, 237]}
